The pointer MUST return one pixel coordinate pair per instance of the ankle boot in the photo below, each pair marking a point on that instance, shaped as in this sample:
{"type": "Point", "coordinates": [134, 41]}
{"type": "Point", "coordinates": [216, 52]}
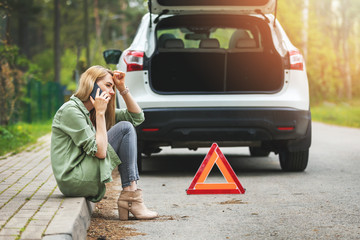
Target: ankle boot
{"type": "Point", "coordinates": [132, 201]}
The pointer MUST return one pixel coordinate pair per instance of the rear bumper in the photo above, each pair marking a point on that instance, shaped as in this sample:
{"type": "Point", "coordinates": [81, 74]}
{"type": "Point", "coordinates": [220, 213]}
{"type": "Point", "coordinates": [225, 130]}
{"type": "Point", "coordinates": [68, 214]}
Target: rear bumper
{"type": "Point", "coordinates": [175, 125]}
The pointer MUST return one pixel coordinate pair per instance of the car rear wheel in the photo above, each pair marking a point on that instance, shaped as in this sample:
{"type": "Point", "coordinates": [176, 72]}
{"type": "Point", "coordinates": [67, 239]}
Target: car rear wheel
{"type": "Point", "coordinates": [294, 161]}
{"type": "Point", "coordinates": [258, 152]}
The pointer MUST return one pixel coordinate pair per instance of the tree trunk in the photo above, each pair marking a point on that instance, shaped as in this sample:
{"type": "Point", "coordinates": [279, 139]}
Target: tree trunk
{"type": "Point", "coordinates": [97, 20]}
{"type": "Point", "coordinates": [357, 49]}
{"type": "Point", "coordinates": [7, 31]}
{"type": "Point", "coordinates": [347, 70]}
{"type": "Point", "coordinates": [86, 32]}
{"type": "Point", "coordinates": [23, 29]}
{"type": "Point", "coordinates": [57, 55]}
{"type": "Point", "coordinates": [124, 24]}
{"type": "Point", "coordinates": [335, 30]}
{"type": "Point", "coordinates": [98, 42]}
{"type": "Point", "coordinates": [305, 14]}
{"type": "Point", "coordinates": [346, 25]}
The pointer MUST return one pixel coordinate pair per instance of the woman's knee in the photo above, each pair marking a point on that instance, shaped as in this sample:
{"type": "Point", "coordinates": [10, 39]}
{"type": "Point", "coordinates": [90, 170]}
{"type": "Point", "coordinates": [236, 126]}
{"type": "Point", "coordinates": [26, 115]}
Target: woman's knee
{"type": "Point", "coordinates": [125, 127]}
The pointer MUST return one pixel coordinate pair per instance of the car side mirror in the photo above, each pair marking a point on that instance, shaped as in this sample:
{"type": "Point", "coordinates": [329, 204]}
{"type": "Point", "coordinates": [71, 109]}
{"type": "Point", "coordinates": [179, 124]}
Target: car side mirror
{"type": "Point", "coordinates": [112, 56]}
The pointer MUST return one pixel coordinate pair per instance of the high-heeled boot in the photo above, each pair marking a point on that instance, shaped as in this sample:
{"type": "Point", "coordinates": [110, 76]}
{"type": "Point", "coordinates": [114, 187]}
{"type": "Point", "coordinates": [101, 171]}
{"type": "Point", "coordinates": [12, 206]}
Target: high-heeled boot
{"type": "Point", "coordinates": [132, 201]}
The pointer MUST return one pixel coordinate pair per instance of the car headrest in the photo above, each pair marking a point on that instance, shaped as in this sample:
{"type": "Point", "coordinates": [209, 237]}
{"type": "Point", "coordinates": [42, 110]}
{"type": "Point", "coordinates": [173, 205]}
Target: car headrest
{"type": "Point", "coordinates": [237, 35]}
{"type": "Point", "coordinates": [163, 38]}
{"type": "Point", "coordinates": [174, 43]}
{"type": "Point", "coordinates": [246, 43]}
{"type": "Point", "coordinates": [209, 43]}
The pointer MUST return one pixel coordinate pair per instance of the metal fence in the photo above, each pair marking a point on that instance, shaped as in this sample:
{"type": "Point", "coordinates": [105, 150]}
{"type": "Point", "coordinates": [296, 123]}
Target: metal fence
{"type": "Point", "coordinates": [42, 100]}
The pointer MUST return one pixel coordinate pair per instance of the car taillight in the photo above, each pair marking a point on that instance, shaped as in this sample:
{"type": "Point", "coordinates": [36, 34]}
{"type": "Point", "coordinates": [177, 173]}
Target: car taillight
{"type": "Point", "coordinates": [134, 60]}
{"type": "Point", "coordinates": [285, 128]}
{"type": "Point", "coordinates": [296, 60]}
{"type": "Point", "coordinates": [150, 129]}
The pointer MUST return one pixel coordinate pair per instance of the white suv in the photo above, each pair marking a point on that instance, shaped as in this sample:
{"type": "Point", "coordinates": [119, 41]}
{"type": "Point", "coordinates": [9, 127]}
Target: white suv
{"type": "Point", "coordinates": [218, 71]}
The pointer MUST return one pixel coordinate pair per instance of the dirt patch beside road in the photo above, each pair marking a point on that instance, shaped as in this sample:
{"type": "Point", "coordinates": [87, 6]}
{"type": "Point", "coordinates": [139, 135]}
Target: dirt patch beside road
{"type": "Point", "coordinates": [105, 223]}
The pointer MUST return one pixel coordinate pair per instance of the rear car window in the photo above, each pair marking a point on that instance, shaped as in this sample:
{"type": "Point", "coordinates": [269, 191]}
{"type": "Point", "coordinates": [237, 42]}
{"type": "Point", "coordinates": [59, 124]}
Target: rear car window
{"type": "Point", "coordinates": [227, 37]}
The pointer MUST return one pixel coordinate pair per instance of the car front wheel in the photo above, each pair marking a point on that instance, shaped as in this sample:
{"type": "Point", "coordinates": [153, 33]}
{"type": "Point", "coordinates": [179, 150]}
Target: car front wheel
{"type": "Point", "coordinates": [294, 161]}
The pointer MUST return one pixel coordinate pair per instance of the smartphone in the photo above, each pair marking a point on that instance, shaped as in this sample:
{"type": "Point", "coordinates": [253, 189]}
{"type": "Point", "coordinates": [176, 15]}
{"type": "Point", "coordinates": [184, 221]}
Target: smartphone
{"type": "Point", "coordinates": [93, 93]}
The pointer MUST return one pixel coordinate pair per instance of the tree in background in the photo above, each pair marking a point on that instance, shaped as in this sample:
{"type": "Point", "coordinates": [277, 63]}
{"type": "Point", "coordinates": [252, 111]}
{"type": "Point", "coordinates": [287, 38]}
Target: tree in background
{"type": "Point", "coordinates": [338, 18]}
{"type": "Point", "coordinates": [14, 66]}
{"type": "Point", "coordinates": [326, 40]}
{"type": "Point", "coordinates": [11, 81]}
{"type": "Point", "coordinates": [88, 27]}
{"type": "Point", "coordinates": [57, 49]}
{"type": "Point", "coordinates": [305, 19]}
{"type": "Point", "coordinates": [20, 15]}
{"type": "Point", "coordinates": [347, 12]}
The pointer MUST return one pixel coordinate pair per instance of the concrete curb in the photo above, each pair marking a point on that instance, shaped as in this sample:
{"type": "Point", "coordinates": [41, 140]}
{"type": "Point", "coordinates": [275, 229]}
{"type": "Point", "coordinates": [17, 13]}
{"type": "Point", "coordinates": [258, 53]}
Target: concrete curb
{"type": "Point", "coordinates": [71, 221]}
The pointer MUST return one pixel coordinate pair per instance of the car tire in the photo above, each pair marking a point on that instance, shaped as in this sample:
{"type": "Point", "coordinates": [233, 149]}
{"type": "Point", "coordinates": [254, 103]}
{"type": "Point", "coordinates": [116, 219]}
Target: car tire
{"type": "Point", "coordinates": [294, 161]}
{"type": "Point", "coordinates": [258, 152]}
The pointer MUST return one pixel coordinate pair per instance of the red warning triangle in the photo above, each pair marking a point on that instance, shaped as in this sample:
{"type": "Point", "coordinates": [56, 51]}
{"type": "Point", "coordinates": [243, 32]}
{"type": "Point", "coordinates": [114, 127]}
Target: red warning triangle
{"type": "Point", "coordinates": [198, 185]}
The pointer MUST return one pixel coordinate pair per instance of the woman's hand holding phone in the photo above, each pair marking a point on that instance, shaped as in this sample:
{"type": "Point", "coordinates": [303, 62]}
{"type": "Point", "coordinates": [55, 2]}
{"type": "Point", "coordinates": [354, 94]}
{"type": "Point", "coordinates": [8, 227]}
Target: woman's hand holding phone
{"type": "Point", "coordinates": [95, 88]}
{"type": "Point", "coordinates": [100, 102]}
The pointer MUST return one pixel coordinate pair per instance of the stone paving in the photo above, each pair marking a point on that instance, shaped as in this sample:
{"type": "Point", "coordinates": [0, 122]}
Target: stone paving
{"type": "Point", "coordinates": [31, 205]}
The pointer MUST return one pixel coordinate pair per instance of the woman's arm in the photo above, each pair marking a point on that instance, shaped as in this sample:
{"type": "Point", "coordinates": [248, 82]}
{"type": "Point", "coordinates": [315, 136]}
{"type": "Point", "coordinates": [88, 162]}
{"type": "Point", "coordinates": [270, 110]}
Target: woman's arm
{"type": "Point", "coordinates": [101, 135]}
{"type": "Point", "coordinates": [100, 105]}
{"type": "Point", "coordinates": [131, 104]}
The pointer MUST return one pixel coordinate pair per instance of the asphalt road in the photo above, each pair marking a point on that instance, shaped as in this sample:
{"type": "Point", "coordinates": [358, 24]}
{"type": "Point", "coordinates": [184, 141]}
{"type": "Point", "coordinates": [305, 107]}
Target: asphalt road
{"type": "Point", "coordinates": [321, 203]}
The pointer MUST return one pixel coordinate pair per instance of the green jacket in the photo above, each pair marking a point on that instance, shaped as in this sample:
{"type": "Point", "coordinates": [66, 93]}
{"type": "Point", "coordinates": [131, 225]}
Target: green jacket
{"type": "Point", "coordinates": [78, 172]}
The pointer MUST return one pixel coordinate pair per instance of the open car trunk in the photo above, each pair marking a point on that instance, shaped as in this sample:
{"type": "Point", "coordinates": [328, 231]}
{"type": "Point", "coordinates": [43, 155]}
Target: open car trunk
{"type": "Point", "coordinates": [255, 67]}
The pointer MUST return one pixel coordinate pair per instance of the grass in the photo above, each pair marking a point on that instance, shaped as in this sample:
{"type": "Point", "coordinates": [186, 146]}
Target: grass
{"type": "Point", "coordinates": [17, 137]}
{"type": "Point", "coordinates": [343, 113]}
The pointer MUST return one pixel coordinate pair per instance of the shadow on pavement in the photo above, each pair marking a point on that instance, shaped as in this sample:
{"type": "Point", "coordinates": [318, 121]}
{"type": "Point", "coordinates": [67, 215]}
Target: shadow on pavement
{"type": "Point", "coordinates": [187, 164]}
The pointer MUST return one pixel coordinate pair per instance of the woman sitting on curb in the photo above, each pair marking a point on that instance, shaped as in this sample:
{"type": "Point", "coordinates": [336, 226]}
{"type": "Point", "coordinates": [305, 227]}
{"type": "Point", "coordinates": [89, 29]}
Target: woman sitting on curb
{"type": "Point", "coordinates": [90, 136]}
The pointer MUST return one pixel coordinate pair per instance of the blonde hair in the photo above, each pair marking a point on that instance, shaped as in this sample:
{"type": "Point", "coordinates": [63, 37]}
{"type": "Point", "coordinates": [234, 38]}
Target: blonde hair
{"type": "Point", "coordinates": [86, 85]}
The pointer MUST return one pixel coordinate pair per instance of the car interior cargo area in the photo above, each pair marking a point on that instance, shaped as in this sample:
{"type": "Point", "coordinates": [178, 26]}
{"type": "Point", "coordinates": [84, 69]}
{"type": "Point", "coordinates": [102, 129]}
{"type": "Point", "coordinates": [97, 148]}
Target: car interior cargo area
{"type": "Point", "coordinates": [233, 54]}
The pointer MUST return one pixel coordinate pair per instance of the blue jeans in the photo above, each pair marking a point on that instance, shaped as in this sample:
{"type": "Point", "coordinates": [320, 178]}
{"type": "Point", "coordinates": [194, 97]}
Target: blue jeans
{"type": "Point", "coordinates": [122, 137]}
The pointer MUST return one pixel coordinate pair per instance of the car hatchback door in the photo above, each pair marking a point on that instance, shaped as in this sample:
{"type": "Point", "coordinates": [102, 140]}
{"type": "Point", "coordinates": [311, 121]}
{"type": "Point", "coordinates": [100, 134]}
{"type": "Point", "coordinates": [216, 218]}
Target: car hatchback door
{"type": "Point", "coordinates": [212, 6]}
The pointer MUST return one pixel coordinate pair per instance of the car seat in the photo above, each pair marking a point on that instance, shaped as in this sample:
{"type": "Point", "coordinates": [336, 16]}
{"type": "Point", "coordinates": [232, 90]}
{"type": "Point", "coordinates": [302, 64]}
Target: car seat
{"type": "Point", "coordinates": [239, 34]}
{"type": "Point", "coordinates": [174, 43]}
{"type": "Point", "coordinates": [163, 38]}
{"type": "Point", "coordinates": [209, 43]}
